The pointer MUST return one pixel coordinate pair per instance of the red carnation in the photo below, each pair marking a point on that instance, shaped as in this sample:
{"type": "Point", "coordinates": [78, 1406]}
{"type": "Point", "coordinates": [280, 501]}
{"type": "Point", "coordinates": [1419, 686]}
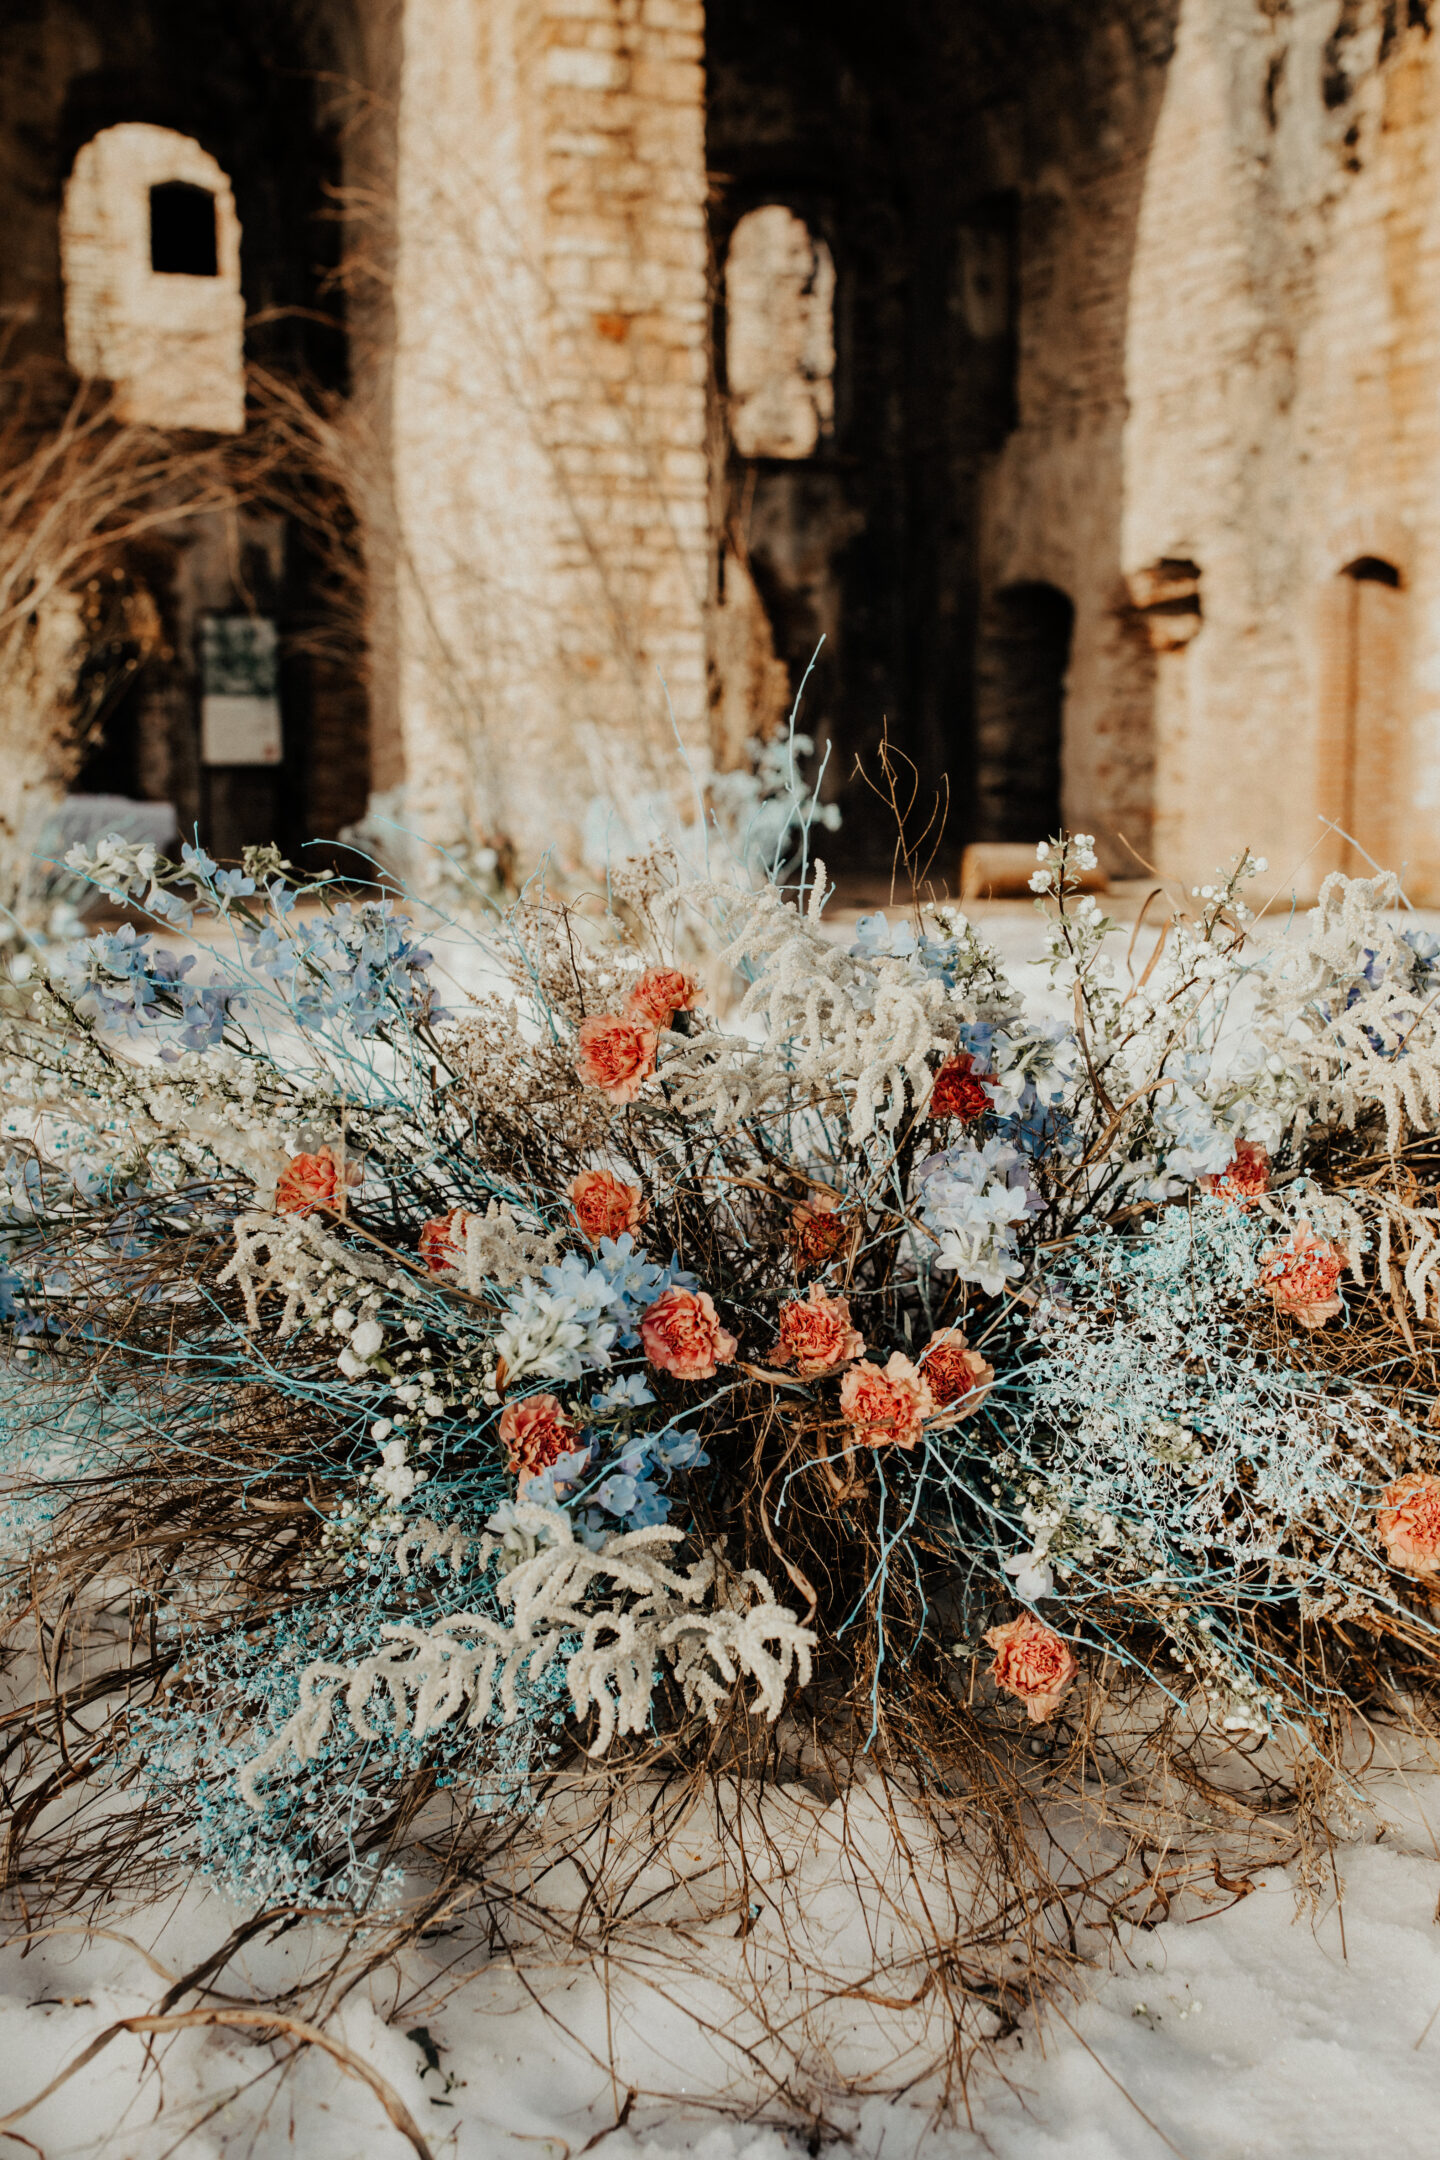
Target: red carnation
{"type": "Point", "coordinates": [957, 1093]}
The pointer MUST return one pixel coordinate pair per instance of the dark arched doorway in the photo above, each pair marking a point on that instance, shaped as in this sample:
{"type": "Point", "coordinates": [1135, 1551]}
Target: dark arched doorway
{"type": "Point", "coordinates": [1364, 714]}
{"type": "Point", "coordinates": [1022, 658]}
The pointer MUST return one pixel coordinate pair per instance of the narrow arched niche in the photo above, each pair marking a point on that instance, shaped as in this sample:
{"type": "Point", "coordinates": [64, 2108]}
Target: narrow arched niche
{"type": "Point", "coordinates": [1022, 660]}
{"type": "Point", "coordinates": [779, 334]}
{"type": "Point", "coordinates": [150, 251]}
{"type": "Point", "coordinates": [1363, 736]}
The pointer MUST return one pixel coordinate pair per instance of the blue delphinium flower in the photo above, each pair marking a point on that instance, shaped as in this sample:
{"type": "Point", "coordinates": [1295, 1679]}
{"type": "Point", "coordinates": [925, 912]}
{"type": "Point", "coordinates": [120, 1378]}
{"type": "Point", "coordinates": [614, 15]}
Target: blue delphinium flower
{"type": "Point", "coordinates": [357, 966]}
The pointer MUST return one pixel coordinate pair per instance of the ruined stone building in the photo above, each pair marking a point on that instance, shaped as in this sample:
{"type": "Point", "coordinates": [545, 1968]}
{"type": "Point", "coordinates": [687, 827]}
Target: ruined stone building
{"type": "Point", "coordinates": [1071, 367]}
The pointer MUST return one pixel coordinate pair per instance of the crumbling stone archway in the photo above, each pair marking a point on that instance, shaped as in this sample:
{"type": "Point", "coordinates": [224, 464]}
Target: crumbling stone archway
{"type": "Point", "coordinates": [141, 142]}
{"type": "Point", "coordinates": [976, 175]}
{"type": "Point", "coordinates": [150, 256]}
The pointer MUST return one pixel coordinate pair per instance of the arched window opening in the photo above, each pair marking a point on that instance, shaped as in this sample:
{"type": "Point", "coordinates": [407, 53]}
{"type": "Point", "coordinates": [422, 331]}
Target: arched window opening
{"type": "Point", "coordinates": [1022, 662]}
{"type": "Point", "coordinates": [1363, 720]}
{"type": "Point", "coordinates": [150, 253]}
{"type": "Point", "coordinates": [779, 335]}
{"type": "Point", "coordinates": [182, 230]}
{"type": "Point", "coordinates": [1369, 570]}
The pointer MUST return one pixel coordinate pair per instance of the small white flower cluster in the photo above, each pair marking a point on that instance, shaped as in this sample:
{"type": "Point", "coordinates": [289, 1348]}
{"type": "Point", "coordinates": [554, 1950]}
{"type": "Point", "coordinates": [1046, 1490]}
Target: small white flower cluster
{"type": "Point", "coordinates": [120, 868]}
{"type": "Point", "coordinates": [970, 1209]}
{"type": "Point", "coordinates": [1076, 852]}
{"type": "Point", "coordinates": [553, 1336]}
{"type": "Point", "coordinates": [1037, 1063]}
{"type": "Point", "coordinates": [299, 1256]}
{"type": "Point", "coordinates": [360, 1353]}
{"type": "Point", "coordinates": [495, 1247]}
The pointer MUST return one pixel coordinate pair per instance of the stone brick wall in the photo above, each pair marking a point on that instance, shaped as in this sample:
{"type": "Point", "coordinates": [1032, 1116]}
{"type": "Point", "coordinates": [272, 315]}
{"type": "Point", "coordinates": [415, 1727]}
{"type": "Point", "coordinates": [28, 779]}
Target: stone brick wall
{"type": "Point", "coordinates": [1136, 303]}
{"type": "Point", "coordinates": [549, 410]}
{"type": "Point", "coordinates": [1269, 418]}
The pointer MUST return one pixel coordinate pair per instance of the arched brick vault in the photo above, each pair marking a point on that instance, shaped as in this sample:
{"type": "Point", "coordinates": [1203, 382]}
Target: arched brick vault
{"type": "Point", "coordinates": [257, 86]}
{"type": "Point", "coordinates": [269, 92]}
{"type": "Point", "coordinates": [977, 173]}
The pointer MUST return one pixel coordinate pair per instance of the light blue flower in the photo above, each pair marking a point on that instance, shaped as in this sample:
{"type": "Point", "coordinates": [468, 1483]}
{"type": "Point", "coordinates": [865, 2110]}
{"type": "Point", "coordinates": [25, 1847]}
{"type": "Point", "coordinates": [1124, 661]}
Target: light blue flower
{"type": "Point", "coordinates": [628, 1391]}
{"type": "Point", "coordinates": [196, 860]}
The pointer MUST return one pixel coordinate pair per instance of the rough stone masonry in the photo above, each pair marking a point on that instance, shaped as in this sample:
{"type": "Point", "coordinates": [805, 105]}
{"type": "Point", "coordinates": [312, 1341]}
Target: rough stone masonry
{"type": "Point", "coordinates": [1103, 334]}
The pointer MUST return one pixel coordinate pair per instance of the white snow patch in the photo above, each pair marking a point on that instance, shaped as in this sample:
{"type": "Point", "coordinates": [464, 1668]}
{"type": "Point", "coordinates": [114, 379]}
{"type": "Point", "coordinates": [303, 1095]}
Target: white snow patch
{"type": "Point", "coordinates": [1266, 2030]}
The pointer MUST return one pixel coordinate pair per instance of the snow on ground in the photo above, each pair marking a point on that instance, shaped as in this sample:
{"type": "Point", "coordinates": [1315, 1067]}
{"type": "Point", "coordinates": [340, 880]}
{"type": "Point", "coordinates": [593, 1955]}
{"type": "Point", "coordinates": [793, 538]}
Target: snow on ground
{"type": "Point", "coordinates": [1262, 2029]}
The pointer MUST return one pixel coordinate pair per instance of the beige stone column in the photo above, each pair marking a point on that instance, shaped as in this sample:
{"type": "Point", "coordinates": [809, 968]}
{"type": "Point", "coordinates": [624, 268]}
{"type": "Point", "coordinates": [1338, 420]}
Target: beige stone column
{"type": "Point", "coordinates": [548, 420]}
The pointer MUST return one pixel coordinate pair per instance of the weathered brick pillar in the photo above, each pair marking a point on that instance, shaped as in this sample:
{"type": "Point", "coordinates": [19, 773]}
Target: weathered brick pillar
{"type": "Point", "coordinates": [548, 417]}
{"type": "Point", "coordinates": [1283, 432]}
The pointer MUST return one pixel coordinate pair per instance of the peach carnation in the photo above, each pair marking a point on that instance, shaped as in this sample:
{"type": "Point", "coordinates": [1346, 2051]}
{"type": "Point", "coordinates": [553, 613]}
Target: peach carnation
{"type": "Point", "coordinates": [442, 1241]}
{"type": "Point", "coordinates": [660, 994]}
{"type": "Point", "coordinates": [957, 1093]}
{"type": "Point", "coordinates": [1302, 1276]}
{"type": "Point", "coordinates": [888, 1405]}
{"type": "Point", "coordinates": [605, 1206]}
{"type": "Point", "coordinates": [1409, 1523]}
{"type": "Point", "coordinates": [817, 1230]}
{"type": "Point", "coordinates": [536, 1433]}
{"type": "Point", "coordinates": [615, 1054]}
{"type": "Point", "coordinates": [1245, 1178]}
{"type": "Point", "coordinates": [1033, 1662]}
{"type": "Point", "coordinates": [682, 1334]}
{"type": "Point", "coordinates": [308, 1181]}
{"type": "Point", "coordinates": [816, 1335]}
{"type": "Point", "coordinates": [957, 1376]}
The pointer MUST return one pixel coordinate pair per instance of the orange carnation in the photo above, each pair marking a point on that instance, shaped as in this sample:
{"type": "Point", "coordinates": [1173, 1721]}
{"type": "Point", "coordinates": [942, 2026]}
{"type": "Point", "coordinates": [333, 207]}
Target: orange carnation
{"type": "Point", "coordinates": [1033, 1662]}
{"type": "Point", "coordinates": [1245, 1178]}
{"type": "Point", "coordinates": [887, 1406]}
{"type": "Point", "coordinates": [957, 1093]}
{"type": "Point", "coordinates": [1409, 1523]}
{"type": "Point", "coordinates": [958, 1377]}
{"type": "Point", "coordinates": [442, 1241]}
{"type": "Point", "coordinates": [615, 1055]}
{"type": "Point", "coordinates": [308, 1181]}
{"type": "Point", "coordinates": [660, 994]}
{"type": "Point", "coordinates": [816, 1335]}
{"type": "Point", "coordinates": [817, 1230]}
{"type": "Point", "coordinates": [682, 1334]}
{"type": "Point", "coordinates": [536, 1433]}
{"type": "Point", "coordinates": [1302, 1276]}
{"type": "Point", "coordinates": [605, 1206]}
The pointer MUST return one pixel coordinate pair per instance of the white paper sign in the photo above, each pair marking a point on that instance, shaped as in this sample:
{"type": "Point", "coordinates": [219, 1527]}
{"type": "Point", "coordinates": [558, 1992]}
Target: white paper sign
{"type": "Point", "coordinates": [240, 730]}
{"type": "Point", "coordinates": [240, 705]}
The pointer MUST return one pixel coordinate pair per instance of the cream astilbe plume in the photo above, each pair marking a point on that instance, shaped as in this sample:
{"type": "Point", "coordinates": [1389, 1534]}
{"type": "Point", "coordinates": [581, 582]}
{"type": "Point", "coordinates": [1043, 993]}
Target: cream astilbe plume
{"type": "Point", "coordinates": [472, 1663]}
{"type": "Point", "coordinates": [1343, 1010]}
{"type": "Point", "coordinates": [829, 1018]}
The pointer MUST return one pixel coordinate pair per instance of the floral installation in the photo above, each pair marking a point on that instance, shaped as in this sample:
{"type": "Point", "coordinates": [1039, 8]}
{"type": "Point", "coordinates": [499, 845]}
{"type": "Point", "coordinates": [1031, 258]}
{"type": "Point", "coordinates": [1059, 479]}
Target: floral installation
{"type": "Point", "coordinates": [602, 1365]}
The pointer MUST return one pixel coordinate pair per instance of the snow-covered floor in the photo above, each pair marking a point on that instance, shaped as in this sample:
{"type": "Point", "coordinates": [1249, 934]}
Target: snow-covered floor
{"type": "Point", "coordinates": [1261, 2027]}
